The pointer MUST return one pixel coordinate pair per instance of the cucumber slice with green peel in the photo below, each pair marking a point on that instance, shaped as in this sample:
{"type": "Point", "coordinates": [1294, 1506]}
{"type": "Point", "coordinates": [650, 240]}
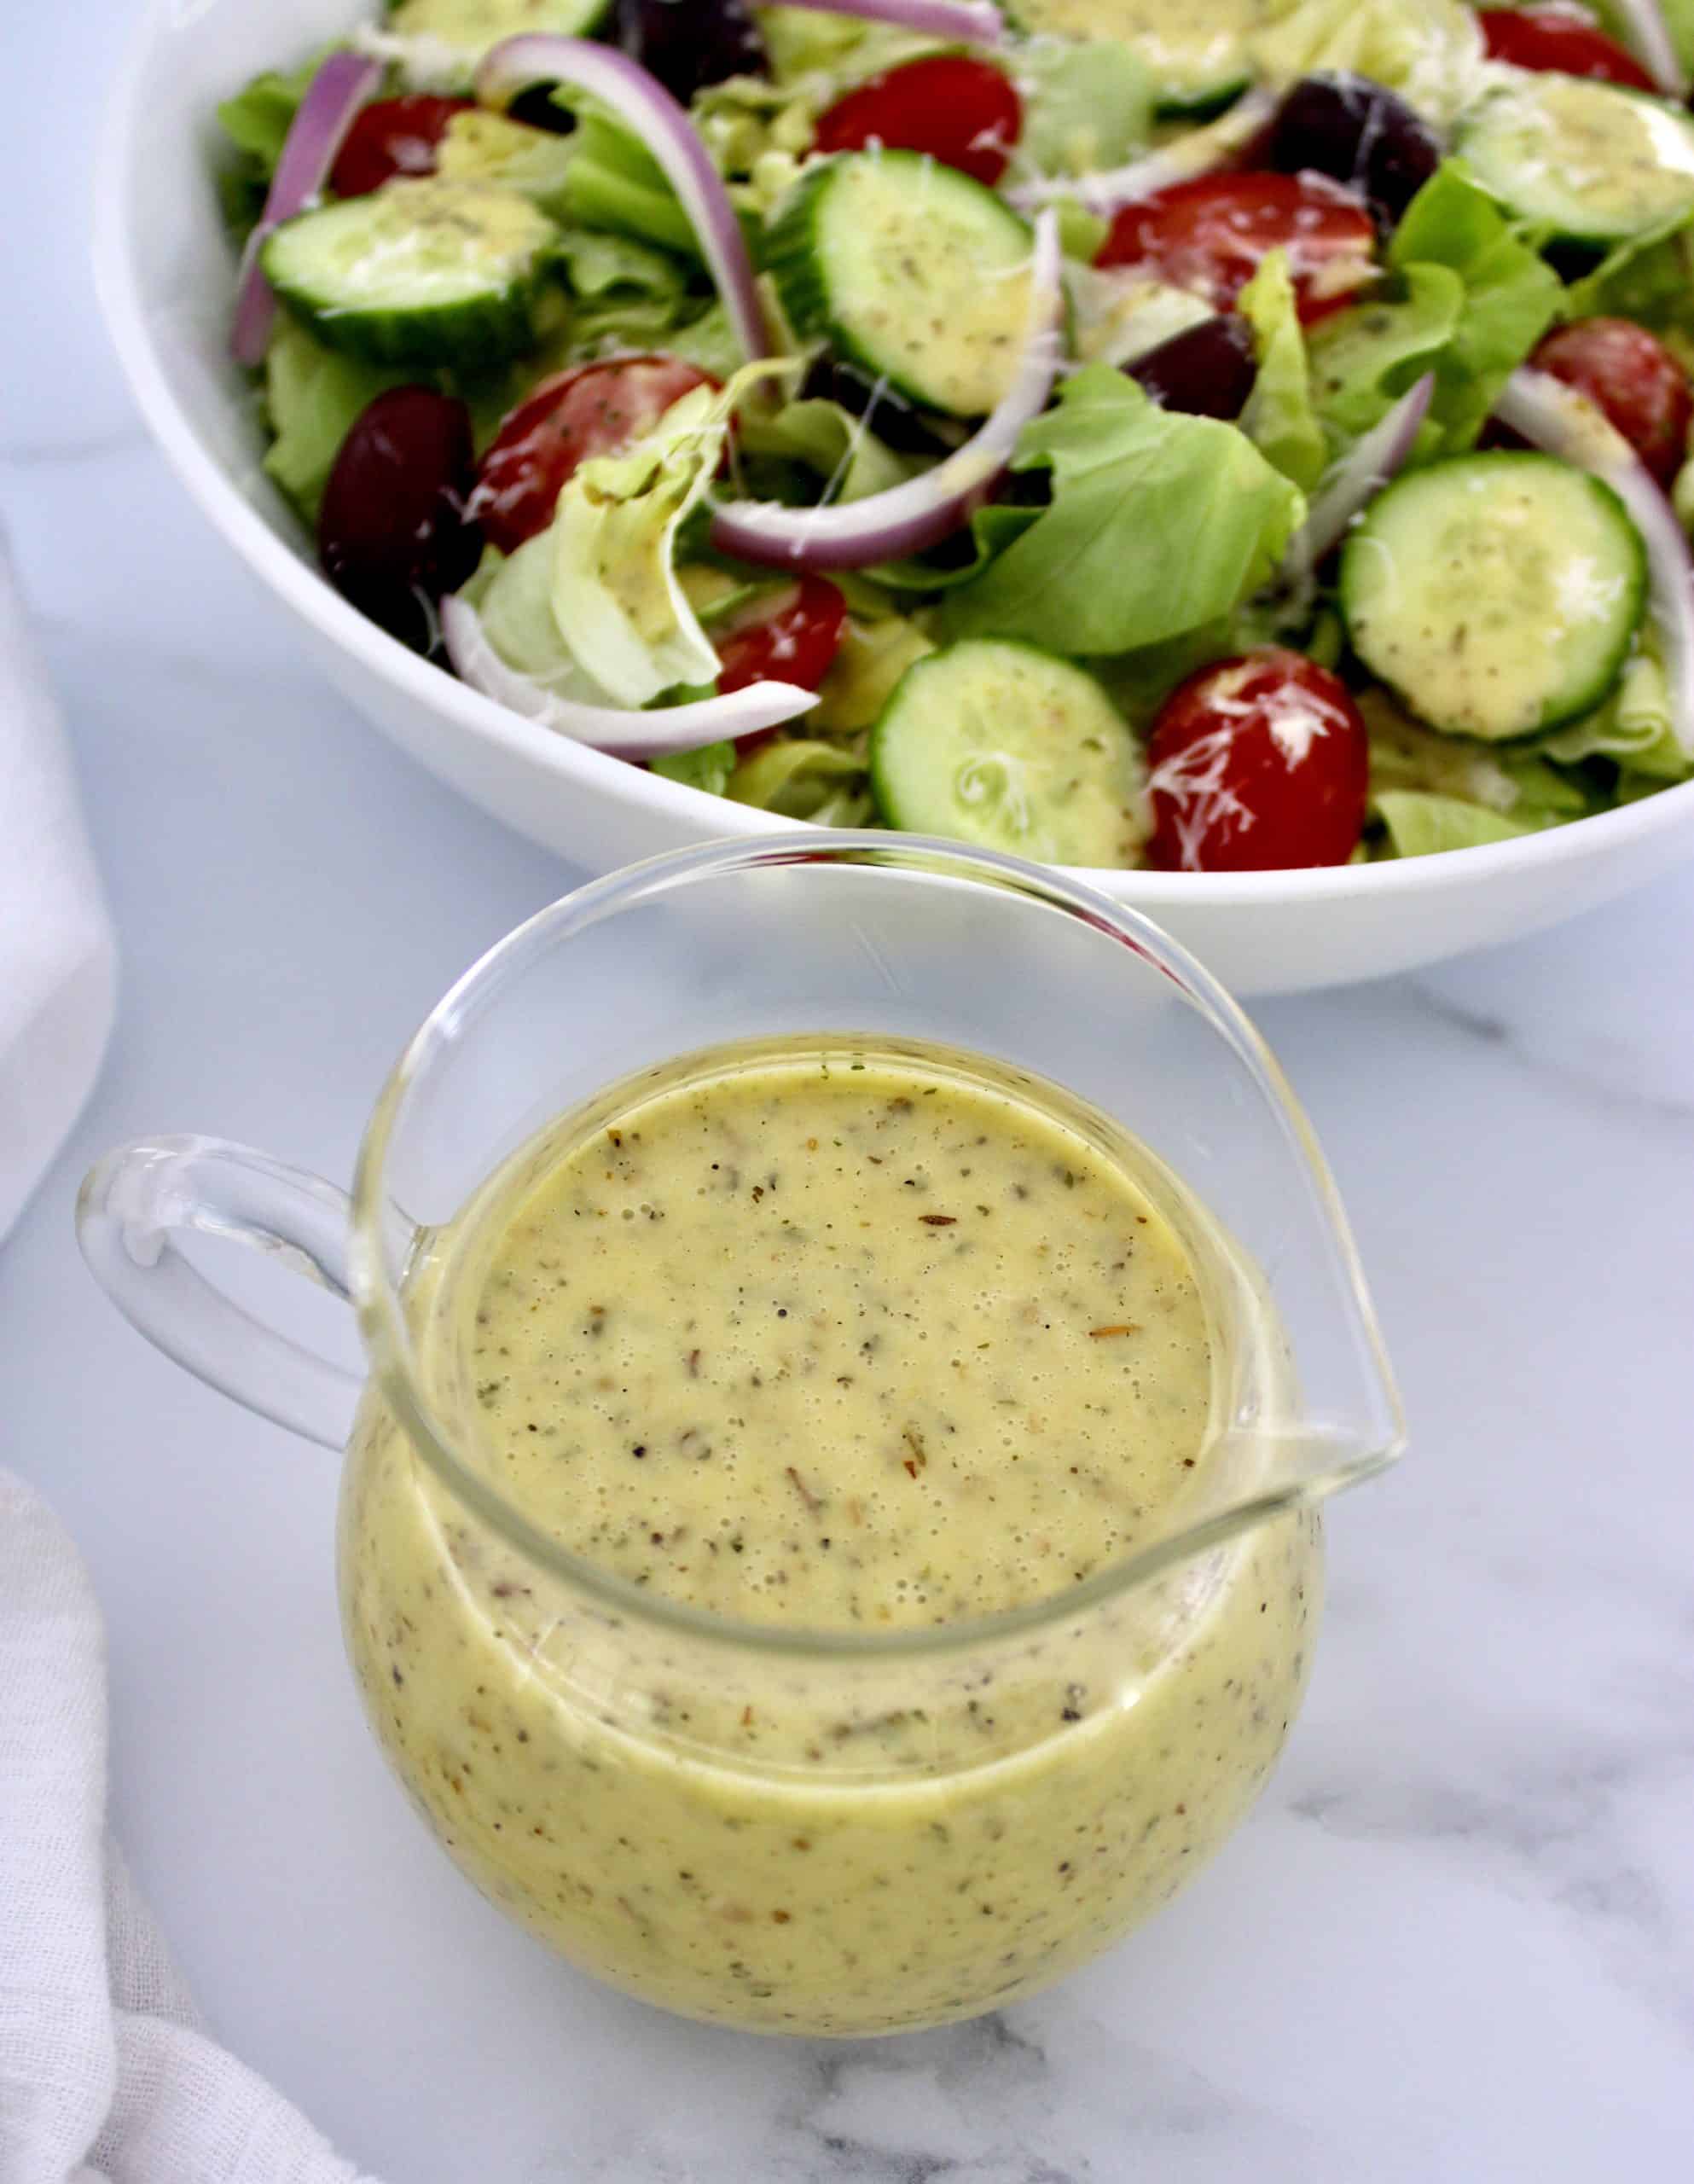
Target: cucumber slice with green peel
{"type": "Point", "coordinates": [1497, 594]}
{"type": "Point", "coordinates": [422, 271]}
{"type": "Point", "coordinates": [910, 270]}
{"type": "Point", "coordinates": [1587, 161]}
{"type": "Point", "coordinates": [996, 742]}
{"type": "Point", "coordinates": [1196, 49]}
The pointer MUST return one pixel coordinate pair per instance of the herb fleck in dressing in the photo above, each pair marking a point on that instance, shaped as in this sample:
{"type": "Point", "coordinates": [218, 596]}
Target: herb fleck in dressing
{"type": "Point", "coordinates": [862, 1343]}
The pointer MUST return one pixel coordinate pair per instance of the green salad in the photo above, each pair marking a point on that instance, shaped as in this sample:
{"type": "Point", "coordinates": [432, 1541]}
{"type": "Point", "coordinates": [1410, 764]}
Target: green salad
{"type": "Point", "coordinates": [1215, 435]}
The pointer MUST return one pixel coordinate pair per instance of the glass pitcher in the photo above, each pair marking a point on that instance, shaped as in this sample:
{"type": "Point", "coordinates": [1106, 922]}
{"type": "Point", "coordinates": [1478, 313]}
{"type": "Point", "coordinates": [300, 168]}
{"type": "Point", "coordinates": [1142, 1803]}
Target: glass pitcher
{"type": "Point", "coordinates": [824, 1832]}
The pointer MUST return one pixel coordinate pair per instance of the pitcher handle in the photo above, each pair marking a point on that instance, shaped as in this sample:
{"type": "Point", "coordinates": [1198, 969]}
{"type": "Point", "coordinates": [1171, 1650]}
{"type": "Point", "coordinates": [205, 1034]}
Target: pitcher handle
{"type": "Point", "coordinates": [133, 1202]}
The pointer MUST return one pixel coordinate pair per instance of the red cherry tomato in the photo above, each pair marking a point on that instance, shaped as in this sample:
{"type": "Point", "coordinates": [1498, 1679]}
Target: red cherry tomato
{"type": "Point", "coordinates": [1630, 374]}
{"type": "Point", "coordinates": [961, 112]}
{"type": "Point", "coordinates": [1550, 39]}
{"type": "Point", "coordinates": [1258, 764]}
{"type": "Point", "coordinates": [591, 409]}
{"type": "Point", "coordinates": [792, 637]}
{"type": "Point", "coordinates": [393, 136]}
{"type": "Point", "coordinates": [1209, 235]}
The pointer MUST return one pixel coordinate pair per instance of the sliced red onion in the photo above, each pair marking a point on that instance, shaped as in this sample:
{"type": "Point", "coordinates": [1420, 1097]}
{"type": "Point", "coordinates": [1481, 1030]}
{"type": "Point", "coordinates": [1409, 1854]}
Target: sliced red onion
{"type": "Point", "coordinates": [643, 105]}
{"type": "Point", "coordinates": [1198, 153]}
{"type": "Point", "coordinates": [905, 519]}
{"type": "Point", "coordinates": [621, 734]}
{"type": "Point", "coordinates": [1557, 419]}
{"type": "Point", "coordinates": [315, 135]}
{"type": "Point", "coordinates": [1649, 38]}
{"type": "Point", "coordinates": [972, 22]}
{"type": "Point", "coordinates": [1379, 455]}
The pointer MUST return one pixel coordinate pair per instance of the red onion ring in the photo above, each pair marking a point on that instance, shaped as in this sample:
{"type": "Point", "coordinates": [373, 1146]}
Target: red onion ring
{"type": "Point", "coordinates": [321, 120]}
{"type": "Point", "coordinates": [1215, 146]}
{"type": "Point", "coordinates": [905, 519]}
{"type": "Point", "coordinates": [1654, 47]}
{"type": "Point", "coordinates": [644, 105]}
{"type": "Point", "coordinates": [619, 733]}
{"type": "Point", "coordinates": [1376, 457]}
{"type": "Point", "coordinates": [972, 22]}
{"type": "Point", "coordinates": [1559, 421]}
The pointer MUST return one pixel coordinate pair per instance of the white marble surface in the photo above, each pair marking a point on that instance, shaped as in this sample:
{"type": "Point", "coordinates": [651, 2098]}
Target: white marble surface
{"type": "Point", "coordinates": [1457, 1939]}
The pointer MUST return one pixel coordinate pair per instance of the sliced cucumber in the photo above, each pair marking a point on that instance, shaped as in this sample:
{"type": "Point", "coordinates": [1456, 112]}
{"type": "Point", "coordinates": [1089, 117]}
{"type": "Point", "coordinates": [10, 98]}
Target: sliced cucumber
{"type": "Point", "coordinates": [422, 272]}
{"type": "Point", "coordinates": [1588, 161]}
{"type": "Point", "coordinates": [996, 742]}
{"type": "Point", "coordinates": [911, 270]}
{"type": "Point", "coordinates": [1496, 594]}
{"type": "Point", "coordinates": [1196, 49]}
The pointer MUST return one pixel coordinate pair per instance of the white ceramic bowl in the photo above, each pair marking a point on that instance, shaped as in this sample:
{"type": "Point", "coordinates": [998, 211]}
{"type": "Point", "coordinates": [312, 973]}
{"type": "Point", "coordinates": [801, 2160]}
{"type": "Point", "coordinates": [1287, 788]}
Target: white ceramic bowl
{"type": "Point", "coordinates": [164, 271]}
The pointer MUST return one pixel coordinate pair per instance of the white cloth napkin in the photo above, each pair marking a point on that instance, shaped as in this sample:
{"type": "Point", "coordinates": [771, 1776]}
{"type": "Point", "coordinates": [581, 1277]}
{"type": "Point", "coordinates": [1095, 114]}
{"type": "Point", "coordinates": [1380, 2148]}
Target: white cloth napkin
{"type": "Point", "coordinates": [58, 966]}
{"type": "Point", "coordinates": [106, 2072]}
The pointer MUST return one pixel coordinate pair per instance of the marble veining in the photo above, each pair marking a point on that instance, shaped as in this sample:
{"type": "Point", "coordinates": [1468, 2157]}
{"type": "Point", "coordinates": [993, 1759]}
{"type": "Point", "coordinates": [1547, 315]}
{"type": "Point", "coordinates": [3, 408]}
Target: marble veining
{"type": "Point", "coordinates": [1455, 1942]}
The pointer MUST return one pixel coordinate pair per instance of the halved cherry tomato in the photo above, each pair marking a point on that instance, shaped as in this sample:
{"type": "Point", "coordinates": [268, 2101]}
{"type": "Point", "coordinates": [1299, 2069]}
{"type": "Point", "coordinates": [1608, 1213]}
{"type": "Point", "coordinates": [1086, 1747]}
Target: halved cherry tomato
{"type": "Point", "coordinates": [1209, 235]}
{"type": "Point", "coordinates": [591, 409]}
{"type": "Point", "coordinates": [789, 637]}
{"type": "Point", "coordinates": [1629, 373]}
{"type": "Point", "coordinates": [1258, 764]}
{"type": "Point", "coordinates": [961, 112]}
{"type": "Point", "coordinates": [393, 136]}
{"type": "Point", "coordinates": [1554, 41]}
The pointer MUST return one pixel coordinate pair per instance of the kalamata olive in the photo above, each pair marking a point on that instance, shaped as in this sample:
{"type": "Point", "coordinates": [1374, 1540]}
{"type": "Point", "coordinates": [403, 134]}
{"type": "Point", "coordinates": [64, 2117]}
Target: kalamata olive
{"type": "Point", "coordinates": [689, 43]}
{"type": "Point", "coordinates": [1207, 370]}
{"type": "Point", "coordinates": [1357, 133]}
{"type": "Point", "coordinates": [896, 422]}
{"type": "Point", "coordinates": [392, 533]}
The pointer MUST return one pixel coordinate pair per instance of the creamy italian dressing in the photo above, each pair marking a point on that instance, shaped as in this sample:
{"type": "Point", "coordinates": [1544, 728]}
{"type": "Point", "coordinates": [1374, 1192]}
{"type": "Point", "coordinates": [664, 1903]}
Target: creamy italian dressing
{"type": "Point", "coordinates": [873, 1342]}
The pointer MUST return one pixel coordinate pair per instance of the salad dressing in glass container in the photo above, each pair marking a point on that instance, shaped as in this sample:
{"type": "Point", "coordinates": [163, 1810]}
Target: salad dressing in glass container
{"type": "Point", "coordinates": [829, 1542]}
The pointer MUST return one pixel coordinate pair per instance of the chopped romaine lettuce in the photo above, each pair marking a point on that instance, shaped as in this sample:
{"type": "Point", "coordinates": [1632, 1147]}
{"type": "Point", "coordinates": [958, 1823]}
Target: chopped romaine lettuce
{"type": "Point", "coordinates": [311, 397]}
{"type": "Point", "coordinates": [1431, 52]}
{"type": "Point", "coordinates": [1417, 823]}
{"type": "Point", "coordinates": [872, 658]}
{"type": "Point", "coordinates": [1279, 418]}
{"type": "Point", "coordinates": [615, 593]}
{"type": "Point", "coordinates": [830, 442]}
{"type": "Point", "coordinates": [1511, 296]}
{"type": "Point", "coordinates": [709, 768]}
{"type": "Point", "coordinates": [1088, 575]}
{"type": "Point", "coordinates": [805, 780]}
{"type": "Point", "coordinates": [1470, 299]}
{"type": "Point", "coordinates": [1087, 104]}
{"type": "Point", "coordinates": [614, 181]}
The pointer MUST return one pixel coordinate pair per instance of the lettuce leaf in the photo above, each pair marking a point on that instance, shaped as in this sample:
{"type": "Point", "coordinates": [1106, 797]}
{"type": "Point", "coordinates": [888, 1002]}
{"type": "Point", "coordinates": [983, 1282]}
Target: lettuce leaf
{"type": "Point", "coordinates": [1158, 524]}
{"type": "Point", "coordinates": [1511, 296]}
{"type": "Point", "coordinates": [1633, 727]}
{"type": "Point", "coordinates": [311, 396]}
{"type": "Point", "coordinates": [1418, 823]}
{"type": "Point", "coordinates": [1649, 277]}
{"type": "Point", "coordinates": [1365, 358]}
{"type": "Point", "coordinates": [1470, 300]}
{"type": "Point", "coordinates": [1087, 104]}
{"type": "Point", "coordinates": [805, 780]}
{"type": "Point", "coordinates": [1279, 418]}
{"type": "Point", "coordinates": [257, 121]}
{"type": "Point", "coordinates": [614, 181]}
{"type": "Point", "coordinates": [872, 658]}
{"type": "Point", "coordinates": [615, 593]}
{"type": "Point", "coordinates": [1431, 52]}
{"type": "Point", "coordinates": [830, 441]}
{"type": "Point", "coordinates": [709, 768]}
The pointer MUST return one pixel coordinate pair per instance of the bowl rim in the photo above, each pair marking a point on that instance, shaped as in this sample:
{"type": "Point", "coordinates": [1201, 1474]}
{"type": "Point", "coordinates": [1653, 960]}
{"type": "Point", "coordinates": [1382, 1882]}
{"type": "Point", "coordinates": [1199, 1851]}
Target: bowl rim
{"type": "Point", "coordinates": [283, 571]}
